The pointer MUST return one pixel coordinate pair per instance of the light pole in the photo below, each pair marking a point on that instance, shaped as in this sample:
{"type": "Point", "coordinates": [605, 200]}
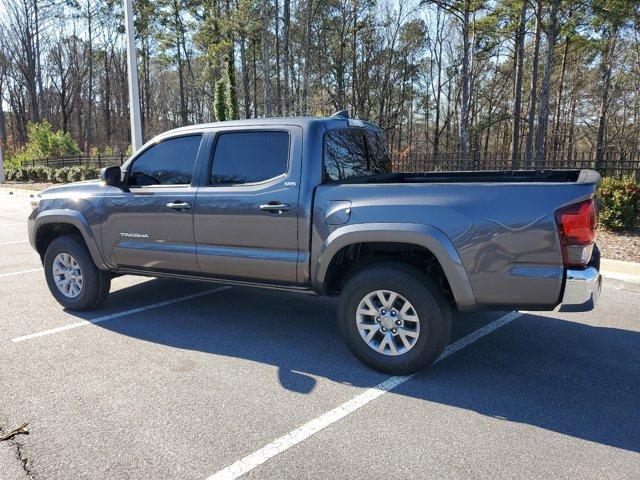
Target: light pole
{"type": "Point", "coordinates": [132, 68]}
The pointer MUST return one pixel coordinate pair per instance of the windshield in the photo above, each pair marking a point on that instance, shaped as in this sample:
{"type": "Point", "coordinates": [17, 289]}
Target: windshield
{"type": "Point", "coordinates": [354, 152]}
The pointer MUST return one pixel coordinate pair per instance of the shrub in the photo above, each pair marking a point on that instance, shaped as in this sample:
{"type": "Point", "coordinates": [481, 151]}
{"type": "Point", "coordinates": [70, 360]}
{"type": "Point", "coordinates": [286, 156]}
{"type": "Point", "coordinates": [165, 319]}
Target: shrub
{"type": "Point", "coordinates": [38, 173]}
{"type": "Point", "coordinates": [20, 175]}
{"type": "Point", "coordinates": [51, 175]}
{"type": "Point", "coordinates": [62, 175]}
{"type": "Point", "coordinates": [618, 203]}
{"type": "Point", "coordinates": [45, 174]}
{"type": "Point", "coordinates": [75, 174]}
{"type": "Point", "coordinates": [33, 173]}
{"type": "Point", "coordinates": [43, 142]}
{"type": "Point", "coordinates": [90, 172]}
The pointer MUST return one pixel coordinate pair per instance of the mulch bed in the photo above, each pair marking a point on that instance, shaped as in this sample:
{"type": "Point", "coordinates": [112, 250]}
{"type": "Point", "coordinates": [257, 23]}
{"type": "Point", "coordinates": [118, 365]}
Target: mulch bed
{"type": "Point", "coordinates": [619, 245]}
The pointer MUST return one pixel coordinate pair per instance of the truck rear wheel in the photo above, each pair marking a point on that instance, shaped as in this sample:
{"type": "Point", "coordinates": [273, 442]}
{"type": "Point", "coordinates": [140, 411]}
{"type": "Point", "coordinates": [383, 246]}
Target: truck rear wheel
{"type": "Point", "coordinates": [72, 277]}
{"type": "Point", "coordinates": [394, 318]}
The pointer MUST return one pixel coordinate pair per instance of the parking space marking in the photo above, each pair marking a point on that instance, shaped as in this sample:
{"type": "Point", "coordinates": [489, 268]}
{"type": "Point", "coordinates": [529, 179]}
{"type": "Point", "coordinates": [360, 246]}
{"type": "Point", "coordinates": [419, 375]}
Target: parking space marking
{"type": "Point", "coordinates": [12, 224]}
{"type": "Point", "coordinates": [253, 460]}
{"type": "Point", "coordinates": [11, 274]}
{"type": "Point", "coordinates": [14, 242]}
{"type": "Point", "coordinates": [82, 323]}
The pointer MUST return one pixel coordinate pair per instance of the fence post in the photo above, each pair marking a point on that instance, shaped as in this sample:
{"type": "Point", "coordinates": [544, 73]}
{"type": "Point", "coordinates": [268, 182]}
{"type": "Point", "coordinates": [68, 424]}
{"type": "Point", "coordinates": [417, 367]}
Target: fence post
{"type": "Point", "coordinates": [121, 158]}
{"type": "Point", "coordinates": [62, 160]}
{"type": "Point", "coordinates": [99, 161]}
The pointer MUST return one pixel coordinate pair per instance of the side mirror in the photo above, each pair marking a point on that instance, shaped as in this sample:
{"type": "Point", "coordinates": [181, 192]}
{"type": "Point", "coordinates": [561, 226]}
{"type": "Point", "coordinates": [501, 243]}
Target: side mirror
{"type": "Point", "coordinates": [111, 176]}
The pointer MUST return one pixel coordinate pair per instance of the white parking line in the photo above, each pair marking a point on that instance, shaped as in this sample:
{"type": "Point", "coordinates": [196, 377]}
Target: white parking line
{"type": "Point", "coordinates": [14, 242]}
{"type": "Point", "coordinates": [82, 323]}
{"type": "Point", "coordinates": [248, 463]}
{"type": "Point", "coordinates": [2, 225]}
{"type": "Point", "coordinates": [11, 274]}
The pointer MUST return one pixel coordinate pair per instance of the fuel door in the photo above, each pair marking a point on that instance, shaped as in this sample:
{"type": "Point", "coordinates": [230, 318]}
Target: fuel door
{"type": "Point", "coordinates": [337, 212]}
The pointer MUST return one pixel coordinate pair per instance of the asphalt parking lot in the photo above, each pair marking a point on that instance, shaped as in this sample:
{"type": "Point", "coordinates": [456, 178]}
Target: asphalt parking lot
{"type": "Point", "coordinates": [180, 380]}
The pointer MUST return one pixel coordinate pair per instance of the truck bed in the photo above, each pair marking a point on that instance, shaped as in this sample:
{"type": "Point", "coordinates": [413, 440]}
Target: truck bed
{"type": "Point", "coordinates": [502, 224]}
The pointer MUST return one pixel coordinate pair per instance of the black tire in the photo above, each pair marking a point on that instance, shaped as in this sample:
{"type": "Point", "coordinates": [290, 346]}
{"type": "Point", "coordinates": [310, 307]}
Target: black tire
{"type": "Point", "coordinates": [96, 283]}
{"type": "Point", "coordinates": [427, 300]}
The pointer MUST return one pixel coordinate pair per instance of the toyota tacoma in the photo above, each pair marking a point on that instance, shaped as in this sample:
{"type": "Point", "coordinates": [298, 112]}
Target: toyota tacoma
{"type": "Point", "coordinates": [314, 204]}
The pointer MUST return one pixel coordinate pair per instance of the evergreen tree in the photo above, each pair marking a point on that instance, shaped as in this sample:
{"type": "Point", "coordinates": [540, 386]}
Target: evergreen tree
{"type": "Point", "coordinates": [231, 96]}
{"type": "Point", "coordinates": [220, 100]}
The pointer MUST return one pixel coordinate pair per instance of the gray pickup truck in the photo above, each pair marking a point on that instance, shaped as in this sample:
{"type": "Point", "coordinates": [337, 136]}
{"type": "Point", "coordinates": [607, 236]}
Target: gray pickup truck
{"type": "Point", "coordinates": [313, 205]}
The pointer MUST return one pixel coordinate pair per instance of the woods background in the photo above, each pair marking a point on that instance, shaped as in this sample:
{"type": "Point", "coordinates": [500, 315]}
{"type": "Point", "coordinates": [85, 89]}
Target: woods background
{"type": "Point", "coordinates": [526, 82]}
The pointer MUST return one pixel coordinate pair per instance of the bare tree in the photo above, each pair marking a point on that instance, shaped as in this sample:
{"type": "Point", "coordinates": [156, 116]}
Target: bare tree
{"type": "Point", "coordinates": [533, 95]}
{"type": "Point", "coordinates": [543, 116]}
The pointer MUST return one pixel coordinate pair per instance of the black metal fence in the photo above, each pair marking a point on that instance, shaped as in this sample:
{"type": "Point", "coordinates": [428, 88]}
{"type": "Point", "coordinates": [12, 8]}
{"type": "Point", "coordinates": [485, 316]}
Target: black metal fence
{"type": "Point", "coordinates": [608, 167]}
{"type": "Point", "coordinates": [415, 163]}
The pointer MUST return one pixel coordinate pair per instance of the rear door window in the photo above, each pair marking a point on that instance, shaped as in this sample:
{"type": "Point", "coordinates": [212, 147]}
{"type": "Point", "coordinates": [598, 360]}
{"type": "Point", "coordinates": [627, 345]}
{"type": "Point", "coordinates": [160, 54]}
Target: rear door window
{"type": "Point", "coordinates": [249, 157]}
{"type": "Point", "coordinates": [350, 153]}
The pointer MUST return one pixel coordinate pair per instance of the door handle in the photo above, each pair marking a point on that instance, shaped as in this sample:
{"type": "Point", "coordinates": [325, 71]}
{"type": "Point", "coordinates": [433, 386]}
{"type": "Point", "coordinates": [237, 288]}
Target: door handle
{"type": "Point", "coordinates": [179, 205]}
{"type": "Point", "coordinates": [275, 207]}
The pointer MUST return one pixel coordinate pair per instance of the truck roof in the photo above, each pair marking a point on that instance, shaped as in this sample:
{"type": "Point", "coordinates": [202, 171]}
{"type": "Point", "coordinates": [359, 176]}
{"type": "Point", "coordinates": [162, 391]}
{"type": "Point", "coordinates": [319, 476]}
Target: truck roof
{"type": "Point", "coordinates": [304, 122]}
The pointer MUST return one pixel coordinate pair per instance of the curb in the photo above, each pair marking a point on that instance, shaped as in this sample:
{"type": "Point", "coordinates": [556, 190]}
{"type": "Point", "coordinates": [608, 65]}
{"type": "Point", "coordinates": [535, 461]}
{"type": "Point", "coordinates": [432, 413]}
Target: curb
{"type": "Point", "coordinates": [18, 192]}
{"type": "Point", "coordinates": [620, 270]}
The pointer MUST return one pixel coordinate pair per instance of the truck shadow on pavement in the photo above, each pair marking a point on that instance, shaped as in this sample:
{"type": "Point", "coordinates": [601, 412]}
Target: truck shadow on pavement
{"type": "Point", "coordinates": [559, 375]}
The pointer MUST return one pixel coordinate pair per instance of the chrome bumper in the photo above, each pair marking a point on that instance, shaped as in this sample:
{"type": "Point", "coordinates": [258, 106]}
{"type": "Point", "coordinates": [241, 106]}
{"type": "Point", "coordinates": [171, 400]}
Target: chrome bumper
{"type": "Point", "coordinates": [581, 290]}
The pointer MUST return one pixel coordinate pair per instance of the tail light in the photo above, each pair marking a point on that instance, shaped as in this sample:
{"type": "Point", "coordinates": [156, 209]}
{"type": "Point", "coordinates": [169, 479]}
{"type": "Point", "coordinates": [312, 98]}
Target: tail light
{"type": "Point", "coordinates": [577, 229]}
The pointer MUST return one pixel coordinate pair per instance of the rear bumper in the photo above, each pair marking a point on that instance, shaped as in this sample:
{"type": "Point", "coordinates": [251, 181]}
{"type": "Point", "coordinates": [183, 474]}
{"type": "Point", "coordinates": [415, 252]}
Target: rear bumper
{"type": "Point", "coordinates": [581, 290]}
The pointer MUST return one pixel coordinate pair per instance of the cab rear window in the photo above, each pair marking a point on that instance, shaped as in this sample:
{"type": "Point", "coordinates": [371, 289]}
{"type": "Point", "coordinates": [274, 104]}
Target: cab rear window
{"type": "Point", "coordinates": [354, 152]}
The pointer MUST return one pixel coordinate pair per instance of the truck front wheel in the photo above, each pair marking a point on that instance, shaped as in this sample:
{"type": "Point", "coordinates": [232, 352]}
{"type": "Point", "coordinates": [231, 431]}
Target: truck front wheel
{"type": "Point", "coordinates": [394, 318]}
{"type": "Point", "coordinates": [72, 277]}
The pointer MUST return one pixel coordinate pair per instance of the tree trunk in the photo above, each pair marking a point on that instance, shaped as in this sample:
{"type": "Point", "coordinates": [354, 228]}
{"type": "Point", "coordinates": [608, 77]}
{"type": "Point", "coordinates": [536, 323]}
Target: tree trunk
{"type": "Point", "coordinates": [572, 122]}
{"type": "Point", "coordinates": [254, 49]}
{"type": "Point", "coordinates": [528, 156]}
{"type": "Point", "coordinates": [246, 94]}
{"type": "Point", "coordinates": [88, 122]}
{"type": "Point", "coordinates": [607, 61]}
{"type": "Point", "coordinates": [543, 117]}
{"type": "Point", "coordinates": [286, 56]}
{"type": "Point", "coordinates": [278, 83]}
{"type": "Point", "coordinates": [354, 62]}
{"type": "Point", "coordinates": [556, 126]}
{"type": "Point", "coordinates": [466, 77]}
{"type": "Point", "coordinates": [436, 125]}
{"type": "Point", "coordinates": [183, 101]}
{"type": "Point", "coordinates": [266, 71]}
{"type": "Point", "coordinates": [37, 55]}
{"type": "Point", "coordinates": [447, 122]}
{"type": "Point", "coordinates": [517, 95]}
{"type": "Point", "coordinates": [307, 59]}
{"type": "Point", "coordinates": [106, 98]}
